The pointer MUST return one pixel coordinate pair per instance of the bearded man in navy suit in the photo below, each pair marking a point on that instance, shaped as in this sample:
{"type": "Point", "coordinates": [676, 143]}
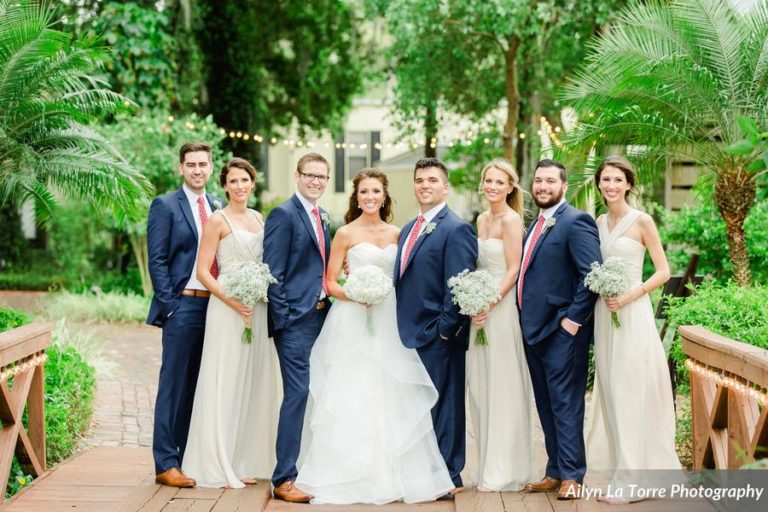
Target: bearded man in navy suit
{"type": "Point", "coordinates": [556, 318]}
{"type": "Point", "coordinates": [432, 248]}
{"type": "Point", "coordinates": [179, 306]}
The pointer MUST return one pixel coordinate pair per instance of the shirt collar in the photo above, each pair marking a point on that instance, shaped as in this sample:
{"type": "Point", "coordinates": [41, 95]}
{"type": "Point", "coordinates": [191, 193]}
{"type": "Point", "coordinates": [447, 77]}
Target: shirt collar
{"type": "Point", "coordinates": [306, 204]}
{"type": "Point", "coordinates": [432, 213]}
{"type": "Point", "coordinates": [551, 210]}
{"type": "Point", "coordinates": [191, 196]}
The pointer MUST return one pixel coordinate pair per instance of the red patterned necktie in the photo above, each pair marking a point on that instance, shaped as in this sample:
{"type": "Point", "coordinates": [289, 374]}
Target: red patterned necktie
{"type": "Point", "coordinates": [534, 238]}
{"type": "Point", "coordinates": [203, 220]}
{"type": "Point", "coordinates": [320, 243]}
{"type": "Point", "coordinates": [411, 242]}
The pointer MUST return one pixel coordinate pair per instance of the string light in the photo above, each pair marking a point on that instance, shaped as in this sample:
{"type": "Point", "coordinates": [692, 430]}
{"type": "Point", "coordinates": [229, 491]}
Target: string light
{"type": "Point", "coordinates": [22, 367]}
{"type": "Point", "coordinates": [727, 380]}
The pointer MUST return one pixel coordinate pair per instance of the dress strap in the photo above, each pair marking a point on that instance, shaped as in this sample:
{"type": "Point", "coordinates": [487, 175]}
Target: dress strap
{"type": "Point", "coordinates": [256, 216]}
{"type": "Point", "coordinates": [231, 227]}
{"type": "Point", "coordinates": [621, 227]}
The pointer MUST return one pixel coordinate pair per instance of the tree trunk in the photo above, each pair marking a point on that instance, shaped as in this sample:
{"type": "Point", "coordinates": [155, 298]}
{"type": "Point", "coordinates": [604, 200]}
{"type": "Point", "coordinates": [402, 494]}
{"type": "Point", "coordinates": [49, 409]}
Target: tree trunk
{"type": "Point", "coordinates": [513, 98]}
{"type": "Point", "coordinates": [430, 131]}
{"type": "Point", "coordinates": [141, 253]}
{"type": "Point", "coordinates": [735, 191]}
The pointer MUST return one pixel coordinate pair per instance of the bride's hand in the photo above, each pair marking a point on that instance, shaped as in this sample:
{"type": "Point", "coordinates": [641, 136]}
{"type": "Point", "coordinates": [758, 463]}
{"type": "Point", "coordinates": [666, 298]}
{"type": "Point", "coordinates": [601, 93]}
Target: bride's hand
{"type": "Point", "coordinates": [616, 303]}
{"type": "Point", "coordinates": [240, 308]}
{"type": "Point", "coordinates": [479, 320]}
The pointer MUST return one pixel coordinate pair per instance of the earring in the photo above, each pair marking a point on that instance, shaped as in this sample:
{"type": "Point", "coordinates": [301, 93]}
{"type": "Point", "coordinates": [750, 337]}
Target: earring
{"type": "Point", "coordinates": [359, 207]}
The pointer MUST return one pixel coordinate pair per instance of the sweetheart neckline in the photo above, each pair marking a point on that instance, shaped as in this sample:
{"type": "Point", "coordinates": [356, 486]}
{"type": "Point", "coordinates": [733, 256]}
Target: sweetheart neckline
{"type": "Point", "coordinates": [372, 245]}
{"type": "Point", "coordinates": [232, 231]}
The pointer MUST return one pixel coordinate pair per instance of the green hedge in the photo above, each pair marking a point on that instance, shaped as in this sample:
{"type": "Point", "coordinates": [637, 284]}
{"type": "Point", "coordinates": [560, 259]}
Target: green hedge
{"type": "Point", "coordinates": [729, 310]}
{"type": "Point", "coordinates": [69, 385]}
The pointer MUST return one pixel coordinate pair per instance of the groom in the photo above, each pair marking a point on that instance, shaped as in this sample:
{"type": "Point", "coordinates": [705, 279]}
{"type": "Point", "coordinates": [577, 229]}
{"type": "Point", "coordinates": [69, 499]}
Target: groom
{"type": "Point", "coordinates": [296, 248]}
{"type": "Point", "coordinates": [556, 319]}
{"type": "Point", "coordinates": [432, 248]}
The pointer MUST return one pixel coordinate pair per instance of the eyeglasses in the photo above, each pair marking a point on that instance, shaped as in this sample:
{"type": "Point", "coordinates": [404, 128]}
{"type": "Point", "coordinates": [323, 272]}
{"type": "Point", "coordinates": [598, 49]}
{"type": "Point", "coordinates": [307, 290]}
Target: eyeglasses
{"type": "Point", "coordinates": [309, 177]}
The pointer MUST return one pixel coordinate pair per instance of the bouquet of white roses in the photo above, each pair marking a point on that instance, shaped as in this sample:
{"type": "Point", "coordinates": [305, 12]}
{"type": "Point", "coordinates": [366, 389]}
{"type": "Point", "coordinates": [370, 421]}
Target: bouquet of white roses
{"type": "Point", "coordinates": [248, 283]}
{"type": "Point", "coordinates": [368, 285]}
{"type": "Point", "coordinates": [474, 292]}
{"type": "Point", "coordinates": [608, 280]}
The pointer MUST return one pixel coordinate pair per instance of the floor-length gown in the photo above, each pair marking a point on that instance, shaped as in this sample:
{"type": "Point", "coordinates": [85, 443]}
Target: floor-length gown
{"type": "Point", "coordinates": [234, 418]}
{"type": "Point", "coordinates": [371, 436]}
{"type": "Point", "coordinates": [499, 389]}
{"type": "Point", "coordinates": [632, 424]}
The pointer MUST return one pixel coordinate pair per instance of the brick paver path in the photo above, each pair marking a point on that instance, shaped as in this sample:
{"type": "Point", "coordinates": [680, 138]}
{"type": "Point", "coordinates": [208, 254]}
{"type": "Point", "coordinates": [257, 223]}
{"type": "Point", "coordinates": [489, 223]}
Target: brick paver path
{"type": "Point", "coordinates": [125, 395]}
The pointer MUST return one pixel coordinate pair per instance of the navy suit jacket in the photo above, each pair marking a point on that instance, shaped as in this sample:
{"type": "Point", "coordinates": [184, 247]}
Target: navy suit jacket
{"type": "Point", "coordinates": [172, 243]}
{"type": "Point", "coordinates": [553, 285]}
{"type": "Point", "coordinates": [425, 308]}
{"type": "Point", "coordinates": [293, 255]}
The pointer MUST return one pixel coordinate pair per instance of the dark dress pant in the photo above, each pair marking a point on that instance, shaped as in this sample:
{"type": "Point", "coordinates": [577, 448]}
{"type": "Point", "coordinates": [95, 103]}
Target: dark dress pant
{"type": "Point", "coordinates": [445, 363]}
{"type": "Point", "coordinates": [183, 335]}
{"type": "Point", "coordinates": [558, 366]}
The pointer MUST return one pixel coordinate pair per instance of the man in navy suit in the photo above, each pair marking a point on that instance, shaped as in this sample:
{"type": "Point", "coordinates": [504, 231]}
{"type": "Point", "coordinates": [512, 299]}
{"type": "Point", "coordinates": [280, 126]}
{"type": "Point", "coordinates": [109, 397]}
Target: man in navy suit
{"type": "Point", "coordinates": [556, 318]}
{"type": "Point", "coordinates": [296, 248]}
{"type": "Point", "coordinates": [432, 248]}
{"type": "Point", "coordinates": [174, 227]}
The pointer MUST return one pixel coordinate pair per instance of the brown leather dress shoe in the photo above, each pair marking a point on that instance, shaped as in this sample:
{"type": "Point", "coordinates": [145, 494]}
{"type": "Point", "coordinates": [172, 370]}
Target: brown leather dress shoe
{"type": "Point", "coordinates": [287, 491]}
{"type": "Point", "coordinates": [174, 478]}
{"type": "Point", "coordinates": [547, 484]}
{"type": "Point", "coordinates": [569, 490]}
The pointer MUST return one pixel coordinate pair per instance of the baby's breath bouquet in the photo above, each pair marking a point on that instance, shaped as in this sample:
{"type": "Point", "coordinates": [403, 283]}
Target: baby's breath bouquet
{"type": "Point", "coordinates": [368, 285]}
{"type": "Point", "coordinates": [608, 280]}
{"type": "Point", "coordinates": [474, 292]}
{"type": "Point", "coordinates": [247, 282]}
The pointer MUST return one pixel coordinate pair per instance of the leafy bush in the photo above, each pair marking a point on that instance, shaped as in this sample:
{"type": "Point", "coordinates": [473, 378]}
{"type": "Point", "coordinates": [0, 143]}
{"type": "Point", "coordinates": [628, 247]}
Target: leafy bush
{"type": "Point", "coordinates": [701, 229]}
{"type": "Point", "coordinates": [98, 307]}
{"type": "Point", "coordinates": [729, 310]}
{"type": "Point", "coordinates": [30, 280]}
{"type": "Point", "coordinates": [11, 319]}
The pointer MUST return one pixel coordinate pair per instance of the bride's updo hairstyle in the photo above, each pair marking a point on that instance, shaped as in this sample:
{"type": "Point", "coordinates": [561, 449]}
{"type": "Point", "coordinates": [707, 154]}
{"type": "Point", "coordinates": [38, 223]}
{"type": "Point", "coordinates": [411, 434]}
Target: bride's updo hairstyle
{"type": "Point", "coordinates": [514, 198]}
{"type": "Point", "coordinates": [622, 164]}
{"type": "Point", "coordinates": [354, 211]}
{"type": "Point", "coordinates": [240, 163]}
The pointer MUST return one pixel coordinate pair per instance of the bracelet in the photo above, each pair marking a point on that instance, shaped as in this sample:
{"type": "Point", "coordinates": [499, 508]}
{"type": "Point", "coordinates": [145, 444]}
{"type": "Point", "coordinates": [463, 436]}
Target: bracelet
{"type": "Point", "coordinates": [645, 290]}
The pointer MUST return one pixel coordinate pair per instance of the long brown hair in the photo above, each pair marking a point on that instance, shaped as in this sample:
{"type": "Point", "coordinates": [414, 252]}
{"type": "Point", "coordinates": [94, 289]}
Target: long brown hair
{"type": "Point", "coordinates": [515, 197]}
{"type": "Point", "coordinates": [354, 211]}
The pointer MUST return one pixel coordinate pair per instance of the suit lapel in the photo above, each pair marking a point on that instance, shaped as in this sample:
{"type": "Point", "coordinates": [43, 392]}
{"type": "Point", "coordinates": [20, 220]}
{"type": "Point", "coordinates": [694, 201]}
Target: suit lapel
{"type": "Point", "coordinates": [305, 220]}
{"type": "Point", "coordinates": [424, 235]}
{"type": "Point", "coordinates": [540, 241]}
{"type": "Point", "coordinates": [187, 210]}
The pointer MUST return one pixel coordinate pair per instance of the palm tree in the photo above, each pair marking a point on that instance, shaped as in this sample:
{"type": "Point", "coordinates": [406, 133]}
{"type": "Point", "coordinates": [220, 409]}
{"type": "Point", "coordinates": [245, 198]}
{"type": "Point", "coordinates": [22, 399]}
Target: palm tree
{"type": "Point", "coordinates": [675, 77]}
{"type": "Point", "coordinates": [48, 96]}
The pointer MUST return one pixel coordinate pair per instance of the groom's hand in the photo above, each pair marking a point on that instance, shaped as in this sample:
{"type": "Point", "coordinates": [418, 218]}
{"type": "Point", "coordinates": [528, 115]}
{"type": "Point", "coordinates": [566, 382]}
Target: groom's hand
{"type": "Point", "coordinates": [570, 326]}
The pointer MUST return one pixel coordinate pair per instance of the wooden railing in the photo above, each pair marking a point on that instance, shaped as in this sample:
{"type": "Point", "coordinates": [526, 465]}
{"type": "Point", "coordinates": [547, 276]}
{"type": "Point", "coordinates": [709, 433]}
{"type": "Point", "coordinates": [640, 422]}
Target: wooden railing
{"type": "Point", "coordinates": [22, 383]}
{"type": "Point", "coordinates": [728, 399]}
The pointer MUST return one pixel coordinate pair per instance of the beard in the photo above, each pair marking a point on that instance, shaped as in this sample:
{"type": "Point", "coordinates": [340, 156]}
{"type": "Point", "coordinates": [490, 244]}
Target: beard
{"type": "Point", "coordinates": [551, 202]}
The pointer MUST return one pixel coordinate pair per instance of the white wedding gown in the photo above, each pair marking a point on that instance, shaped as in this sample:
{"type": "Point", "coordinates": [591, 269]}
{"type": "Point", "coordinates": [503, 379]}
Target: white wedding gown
{"type": "Point", "coordinates": [499, 391]}
{"type": "Point", "coordinates": [233, 430]}
{"type": "Point", "coordinates": [371, 436]}
{"type": "Point", "coordinates": [632, 424]}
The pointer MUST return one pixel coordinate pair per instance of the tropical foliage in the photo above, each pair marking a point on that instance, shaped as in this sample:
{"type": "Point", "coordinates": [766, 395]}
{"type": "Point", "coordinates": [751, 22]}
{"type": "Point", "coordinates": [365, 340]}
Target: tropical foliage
{"type": "Point", "coordinates": [48, 97]}
{"type": "Point", "coordinates": [675, 77]}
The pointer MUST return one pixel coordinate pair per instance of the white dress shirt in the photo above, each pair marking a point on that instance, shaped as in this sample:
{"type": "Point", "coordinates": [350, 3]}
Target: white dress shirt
{"type": "Point", "coordinates": [193, 282]}
{"type": "Point", "coordinates": [428, 216]}
{"type": "Point", "coordinates": [308, 207]}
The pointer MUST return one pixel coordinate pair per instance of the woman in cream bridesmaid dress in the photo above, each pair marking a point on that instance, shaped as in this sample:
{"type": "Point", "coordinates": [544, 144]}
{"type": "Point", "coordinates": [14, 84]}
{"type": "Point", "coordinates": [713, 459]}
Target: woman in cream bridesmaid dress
{"type": "Point", "coordinates": [498, 382]}
{"type": "Point", "coordinates": [632, 424]}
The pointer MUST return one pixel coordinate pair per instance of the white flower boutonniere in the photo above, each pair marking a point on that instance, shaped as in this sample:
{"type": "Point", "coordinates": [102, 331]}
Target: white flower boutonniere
{"type": "Point", "coordinates": [549, 223]}
{"type": "Point", "coordinates": [430, 228]}
{"type": "Point", "coordinates": [216, 205]}
{"type": "Point", "coordinates": [325, 219]}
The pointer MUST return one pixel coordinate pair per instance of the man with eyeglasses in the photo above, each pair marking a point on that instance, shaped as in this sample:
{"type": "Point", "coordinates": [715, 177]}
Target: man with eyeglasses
{"type": "Point", "coordinates": [296, 248]}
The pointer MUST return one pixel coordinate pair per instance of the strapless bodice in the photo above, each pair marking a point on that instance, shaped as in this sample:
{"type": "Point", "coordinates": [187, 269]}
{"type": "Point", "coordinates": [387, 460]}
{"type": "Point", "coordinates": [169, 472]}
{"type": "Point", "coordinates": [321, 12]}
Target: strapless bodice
{"type": "Point", "coordinates": [490, 257]}
{"type": "Point", "coordinates": [239, 246]}
{"type": "Point", "coordinates": [366, 253]}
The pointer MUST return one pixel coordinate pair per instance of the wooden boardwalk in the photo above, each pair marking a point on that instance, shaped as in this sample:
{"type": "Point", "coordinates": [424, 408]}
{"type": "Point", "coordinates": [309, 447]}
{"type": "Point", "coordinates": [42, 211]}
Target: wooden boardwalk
{"type": "Point", "coordinates": [121, 480]}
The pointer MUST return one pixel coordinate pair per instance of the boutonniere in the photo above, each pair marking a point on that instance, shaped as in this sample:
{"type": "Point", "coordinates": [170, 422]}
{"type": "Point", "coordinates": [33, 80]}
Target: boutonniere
{"type": "Point", "coordinates": [325, 219]}
{"type": "Point", "coordinates": [549, 222]}
{"type": "Point", "coordinates": [430, 228]}
{"type": "Point", "coordinates": [216, 205]}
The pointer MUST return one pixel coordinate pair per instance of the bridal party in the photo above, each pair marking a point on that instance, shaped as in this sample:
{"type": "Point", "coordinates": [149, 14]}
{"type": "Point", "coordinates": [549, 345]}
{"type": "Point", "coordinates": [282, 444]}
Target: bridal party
{"type": "Point", "coordinates": [346, 369]}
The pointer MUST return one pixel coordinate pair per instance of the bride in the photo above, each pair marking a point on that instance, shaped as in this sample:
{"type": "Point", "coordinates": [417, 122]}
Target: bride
{"type": "Point", "coordinates": [371, 435]}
